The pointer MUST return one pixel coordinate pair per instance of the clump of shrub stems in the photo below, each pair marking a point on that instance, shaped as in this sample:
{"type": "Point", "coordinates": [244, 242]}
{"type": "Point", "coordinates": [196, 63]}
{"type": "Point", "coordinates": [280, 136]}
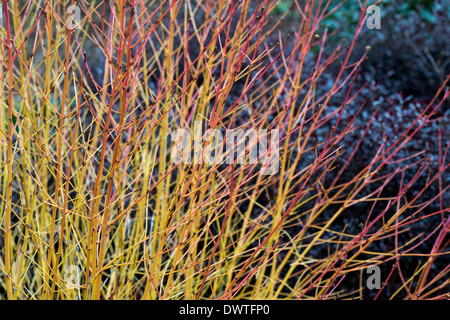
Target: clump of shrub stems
{"type": "Point", "coordinates": [92, 207]}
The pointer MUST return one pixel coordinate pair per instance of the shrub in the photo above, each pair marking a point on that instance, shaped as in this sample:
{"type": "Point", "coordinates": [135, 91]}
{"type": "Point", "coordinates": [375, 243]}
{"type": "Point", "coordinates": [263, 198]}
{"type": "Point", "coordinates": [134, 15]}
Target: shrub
{"type": "Point", "coordinates": [95, 207]}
